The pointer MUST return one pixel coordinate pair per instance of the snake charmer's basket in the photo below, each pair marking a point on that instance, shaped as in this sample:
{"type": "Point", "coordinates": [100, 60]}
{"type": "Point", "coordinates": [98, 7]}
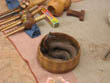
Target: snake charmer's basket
{"type": "Point", "coordinates": [55, 65]}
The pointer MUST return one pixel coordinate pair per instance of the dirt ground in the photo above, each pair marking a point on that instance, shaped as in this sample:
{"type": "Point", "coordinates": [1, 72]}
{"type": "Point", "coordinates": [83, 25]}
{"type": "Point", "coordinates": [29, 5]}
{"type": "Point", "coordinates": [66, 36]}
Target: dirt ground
{"type": "Point", "coordinates": [93, 35]}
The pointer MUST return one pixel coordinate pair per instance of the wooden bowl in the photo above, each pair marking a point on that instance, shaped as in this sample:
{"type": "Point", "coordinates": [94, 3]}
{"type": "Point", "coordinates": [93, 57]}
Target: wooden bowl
{"type": "Point", "coordinates": [59, 66]}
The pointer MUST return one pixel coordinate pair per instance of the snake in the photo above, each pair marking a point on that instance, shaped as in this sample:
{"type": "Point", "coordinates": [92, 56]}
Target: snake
{"type": "Point", "coordinates": [58, 48]}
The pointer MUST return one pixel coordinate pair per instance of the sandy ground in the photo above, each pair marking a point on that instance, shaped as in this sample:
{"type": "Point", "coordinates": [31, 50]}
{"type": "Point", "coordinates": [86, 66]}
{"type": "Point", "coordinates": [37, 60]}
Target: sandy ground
{"type": "Point", "coordinates": [93, 35]}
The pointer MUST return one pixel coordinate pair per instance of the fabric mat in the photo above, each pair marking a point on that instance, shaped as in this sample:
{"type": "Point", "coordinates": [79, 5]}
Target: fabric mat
{"type": "Point", "coordinates": [27, 48]}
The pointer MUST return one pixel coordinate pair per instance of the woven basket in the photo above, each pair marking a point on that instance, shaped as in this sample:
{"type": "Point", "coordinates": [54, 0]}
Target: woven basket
{"type": "Point", "coordinates": [59, 66]}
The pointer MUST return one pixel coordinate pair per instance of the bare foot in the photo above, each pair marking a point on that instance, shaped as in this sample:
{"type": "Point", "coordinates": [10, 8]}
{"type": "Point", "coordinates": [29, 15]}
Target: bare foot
{"type": "Point", "coordinates": [56, 80]}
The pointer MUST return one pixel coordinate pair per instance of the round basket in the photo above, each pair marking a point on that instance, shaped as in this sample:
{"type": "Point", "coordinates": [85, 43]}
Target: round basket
{"type": "Point", "coordinates": [59, 66]}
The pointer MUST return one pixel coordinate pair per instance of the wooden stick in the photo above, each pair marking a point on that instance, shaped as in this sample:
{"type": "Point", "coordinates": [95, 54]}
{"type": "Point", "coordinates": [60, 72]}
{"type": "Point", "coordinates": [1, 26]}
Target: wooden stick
{"type": "Point", "coordinates": [9, 19]}
{"type": "Point", "coordinates": [40, 18]}
{"type": "Point", "coordinates": [23, 27]}
{"type": "Point", "coordinates": [18, 16]}
{"type": "Point", "coordinates": [6, 25]}
{"type": "Point", "coordinates": [15, 31]}
{"type": "Point", "coordinates": [36, 11]}
{"type": "Point", "coordinates": [12, 25]}
{"type": "Point", "coordinates": [6, 20]}
{"type": "Point", "coordinates": [8, 13]}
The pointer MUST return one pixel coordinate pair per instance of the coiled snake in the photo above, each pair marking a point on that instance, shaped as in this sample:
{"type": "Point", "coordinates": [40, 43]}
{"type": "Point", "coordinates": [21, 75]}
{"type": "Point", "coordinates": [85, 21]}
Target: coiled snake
{"type": "Point", "coordinates": [58, 47]}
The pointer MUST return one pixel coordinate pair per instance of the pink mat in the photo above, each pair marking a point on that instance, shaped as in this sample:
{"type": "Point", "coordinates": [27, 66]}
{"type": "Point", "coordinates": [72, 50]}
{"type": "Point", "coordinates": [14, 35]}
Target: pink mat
{"type": "Point", "coordinates": [27, 48]}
